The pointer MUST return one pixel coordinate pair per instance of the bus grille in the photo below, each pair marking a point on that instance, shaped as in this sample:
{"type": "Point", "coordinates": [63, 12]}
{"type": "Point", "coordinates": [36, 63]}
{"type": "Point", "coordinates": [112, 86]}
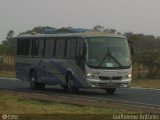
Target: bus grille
{"type": "Point", "coordinates": [110, 78]}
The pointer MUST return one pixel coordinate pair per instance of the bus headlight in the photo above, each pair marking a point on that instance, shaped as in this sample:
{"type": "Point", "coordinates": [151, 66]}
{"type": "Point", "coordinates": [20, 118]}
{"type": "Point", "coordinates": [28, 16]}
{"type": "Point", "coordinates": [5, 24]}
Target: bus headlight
{"type": "Point", "coordinates": [91, 76]}
{"type": "Point", "coordinates": [128, 76]}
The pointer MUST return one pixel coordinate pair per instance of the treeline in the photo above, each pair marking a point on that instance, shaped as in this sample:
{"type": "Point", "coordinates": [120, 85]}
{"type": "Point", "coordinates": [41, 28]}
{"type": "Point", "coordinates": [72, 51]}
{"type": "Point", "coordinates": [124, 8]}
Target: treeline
{"type": "Point", "coordinates": [8, 46]}
{"type": "Point", "coordinates": [146, 58]}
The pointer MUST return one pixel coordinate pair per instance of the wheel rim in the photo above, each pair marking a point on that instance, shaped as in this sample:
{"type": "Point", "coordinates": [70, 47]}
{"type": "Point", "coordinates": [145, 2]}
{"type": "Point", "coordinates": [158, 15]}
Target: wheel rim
{"type": "Point", "coordinates": [70, 82]}
{"type": "Point", "coordinates": [32, 82]}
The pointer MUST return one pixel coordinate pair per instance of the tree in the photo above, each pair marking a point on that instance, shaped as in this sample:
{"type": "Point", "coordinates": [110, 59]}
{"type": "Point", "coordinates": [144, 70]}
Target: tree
{"type": "Point", "coordinates": [98, 28]}
{"type": "Point", "coordinates": [8, 46]}
{"type": "Point", "coordinates": [147, 52]}
{"type": "Point", "coordinates": [111, 31]}
{"type": "Point", "coordinates": [40, 30]}
{"type": "Point", "coordinates": [10, 34]}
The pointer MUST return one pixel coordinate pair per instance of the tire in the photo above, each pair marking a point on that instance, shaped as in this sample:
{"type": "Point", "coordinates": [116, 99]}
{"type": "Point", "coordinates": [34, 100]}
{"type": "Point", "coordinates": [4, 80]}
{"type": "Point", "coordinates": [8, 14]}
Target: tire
{"type": "Point", "coordinates": [110, 91]}
{"type": "Point", "coordinates": [69, 84]}
{"type": "Point", "coordinates": [33, 82]}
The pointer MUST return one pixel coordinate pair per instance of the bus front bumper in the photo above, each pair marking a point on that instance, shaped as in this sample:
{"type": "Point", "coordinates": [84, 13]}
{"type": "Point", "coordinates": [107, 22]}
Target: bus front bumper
{"type": "Point", "coordinates": [93, 83]}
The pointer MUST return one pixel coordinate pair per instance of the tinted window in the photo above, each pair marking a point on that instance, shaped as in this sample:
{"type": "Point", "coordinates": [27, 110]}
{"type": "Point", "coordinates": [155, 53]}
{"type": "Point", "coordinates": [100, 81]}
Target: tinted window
{"type": "Point", "coordinates": [60, 48]}
{"type": "Point", "coordinates": [33, 49]}
{"type": "Point", "coordinates": [80, 46]}
{"type": "Point", "coordinates": [20, 46]}
{"type": "Point", "coordinates": [27, 47]}
{"type": "Point", "coordinates": [41, 47]}
{"type": "Point", "coordinates": [49, 47]}
{"type": "Point", "coordinates": [71, 47]}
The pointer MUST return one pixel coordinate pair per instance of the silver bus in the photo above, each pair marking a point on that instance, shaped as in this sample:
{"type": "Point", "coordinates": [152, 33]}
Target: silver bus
{"type": "Point", "coordinates": [74, 60]}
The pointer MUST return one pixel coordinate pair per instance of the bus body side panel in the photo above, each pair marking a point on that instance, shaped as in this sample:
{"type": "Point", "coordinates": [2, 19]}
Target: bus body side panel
{"type": "Point", "coordinates": [45, 71]}
{"type": "Point", "coordinates": [23, 67]}
{"type": "Point", "coordinates": [58, 68]}
{"type": "Point", "coordinates": [53, 71]}
{"type": "Point", "coordinates": [21, 74]}
{"type": "Point", "coordinates": [49, 71]}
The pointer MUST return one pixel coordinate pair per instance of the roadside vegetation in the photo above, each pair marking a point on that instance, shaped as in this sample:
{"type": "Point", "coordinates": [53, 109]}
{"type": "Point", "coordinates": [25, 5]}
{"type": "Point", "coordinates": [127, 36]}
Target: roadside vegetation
{"type": "Point", "coordinates": [7, 74]}
{"type": "Point", "coordinates": [146, 83]}
{"type": "Point", "coordinates": [12, 104]}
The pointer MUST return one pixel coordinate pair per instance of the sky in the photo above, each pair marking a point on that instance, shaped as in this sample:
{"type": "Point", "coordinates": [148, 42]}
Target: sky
{"type": "Point", "coordinates": [137, 16]}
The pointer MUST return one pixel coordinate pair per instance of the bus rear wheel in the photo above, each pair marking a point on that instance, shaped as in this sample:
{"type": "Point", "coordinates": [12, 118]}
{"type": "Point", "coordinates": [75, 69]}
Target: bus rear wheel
{"type": "Point", "coordinates": [69, 84]}
{"type": "Point", "coordinates": [33, 82]}
{"type": "Point", "coordinates": [110, 91]}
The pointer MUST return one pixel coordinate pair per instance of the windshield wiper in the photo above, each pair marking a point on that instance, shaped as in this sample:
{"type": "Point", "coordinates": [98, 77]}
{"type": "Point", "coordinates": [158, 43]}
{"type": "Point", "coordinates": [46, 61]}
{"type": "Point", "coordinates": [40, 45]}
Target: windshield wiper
{"type": "Point", "coordinates": [115, 60]}
{"type": "Point", "coordinates": [109, 55]}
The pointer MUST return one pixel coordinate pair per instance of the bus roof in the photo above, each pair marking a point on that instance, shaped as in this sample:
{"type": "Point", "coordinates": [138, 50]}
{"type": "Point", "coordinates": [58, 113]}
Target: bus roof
{"type": "Point", "coordinates": [83, 34]}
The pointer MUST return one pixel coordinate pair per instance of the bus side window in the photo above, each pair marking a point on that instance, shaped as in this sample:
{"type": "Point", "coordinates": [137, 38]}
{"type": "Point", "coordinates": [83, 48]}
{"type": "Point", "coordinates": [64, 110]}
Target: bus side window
{"type": "Point", "coordinates": [49, 47]}
{"type": "Point", "coordinates": [80, 56]}
{"type": "Point", "coordinates": [80, 47]}
{"type": "Point", "coordinates": [27, 47]}
{"type": "Point", "coordinates": [34, 50]}
{"type": "Point", "coordinates": [70, 48]}
{"type": "Point", "coordinates": [60, 48]}
{"type": "Point", "coordinates": [41, 48]}
{"type": "Point", "coordinates": [20, 46]}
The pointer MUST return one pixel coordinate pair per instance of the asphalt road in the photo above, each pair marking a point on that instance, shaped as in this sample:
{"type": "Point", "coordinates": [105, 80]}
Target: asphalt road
{"type": "Point", "coordinates": [139, 96]}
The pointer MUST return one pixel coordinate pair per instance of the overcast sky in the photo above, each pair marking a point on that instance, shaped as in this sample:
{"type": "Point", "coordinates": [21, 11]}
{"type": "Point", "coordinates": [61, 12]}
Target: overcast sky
{"type": "Point", "coordinates": [138, 16]}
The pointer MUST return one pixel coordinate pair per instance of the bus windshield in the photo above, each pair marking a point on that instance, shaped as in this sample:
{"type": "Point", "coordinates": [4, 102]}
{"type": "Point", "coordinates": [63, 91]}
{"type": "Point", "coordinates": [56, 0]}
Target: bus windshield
{"type": "Point", "coordinates": [108, 52]}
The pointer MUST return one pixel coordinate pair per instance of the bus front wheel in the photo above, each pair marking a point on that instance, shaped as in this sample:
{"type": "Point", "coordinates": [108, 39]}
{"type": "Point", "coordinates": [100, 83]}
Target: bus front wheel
{"type": "Point", "coordinates": [33, 82]}
{"type": "Point", "coordinates": [69, 84]}
{"type": "Point", "coordinates": [110, 91]}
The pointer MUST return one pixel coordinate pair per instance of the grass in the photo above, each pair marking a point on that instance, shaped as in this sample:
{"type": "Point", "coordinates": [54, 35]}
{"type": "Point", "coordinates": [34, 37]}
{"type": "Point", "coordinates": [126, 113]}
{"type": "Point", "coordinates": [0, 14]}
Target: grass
{"type": "Point", "coordinates": [8, 74]}
{"type": "Point", "coordinates": [27, 108]}
{"type": "Point", "coordinates": [146, 83]}
{"type": "Point", "coordinates": [12, 104]}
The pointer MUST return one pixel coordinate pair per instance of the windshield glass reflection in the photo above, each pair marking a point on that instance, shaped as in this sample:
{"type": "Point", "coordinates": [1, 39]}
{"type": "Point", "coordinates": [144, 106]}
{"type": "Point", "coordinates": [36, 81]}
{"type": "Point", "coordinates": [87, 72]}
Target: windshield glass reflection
{"type": "Point", "coordinates": [108, 52]}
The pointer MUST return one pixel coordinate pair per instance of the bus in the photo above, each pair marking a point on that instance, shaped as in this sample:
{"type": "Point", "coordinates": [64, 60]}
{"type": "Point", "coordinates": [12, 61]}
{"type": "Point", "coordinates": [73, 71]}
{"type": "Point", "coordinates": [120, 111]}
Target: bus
{"type": "Point", "coordinates": [74, 60]}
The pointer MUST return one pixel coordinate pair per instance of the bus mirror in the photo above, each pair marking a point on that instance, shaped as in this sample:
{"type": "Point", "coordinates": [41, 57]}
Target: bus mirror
{"type": "Point", "coordinates": [131, 47]}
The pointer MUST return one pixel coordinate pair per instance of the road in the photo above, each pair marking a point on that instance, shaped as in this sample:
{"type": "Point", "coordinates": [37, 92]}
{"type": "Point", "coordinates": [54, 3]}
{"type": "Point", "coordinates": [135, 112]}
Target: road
{"type": "Point", "coordinates": [138, 96]}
